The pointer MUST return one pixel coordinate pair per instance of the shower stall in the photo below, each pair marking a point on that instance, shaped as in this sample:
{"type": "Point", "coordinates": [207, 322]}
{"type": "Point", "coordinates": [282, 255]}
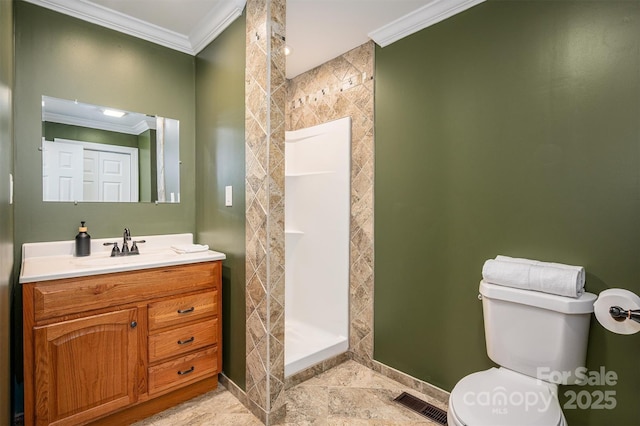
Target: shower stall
{"type": "Point", "coordinates": [317, 216]}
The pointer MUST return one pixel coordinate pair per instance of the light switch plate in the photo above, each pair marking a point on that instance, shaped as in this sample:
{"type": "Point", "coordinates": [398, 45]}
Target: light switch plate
{"type": "Point", "coordinates": [228, 196]}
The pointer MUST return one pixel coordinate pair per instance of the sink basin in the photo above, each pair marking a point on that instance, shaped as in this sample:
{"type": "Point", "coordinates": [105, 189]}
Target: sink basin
{"type": "Point", "coordinates": [142, 258]}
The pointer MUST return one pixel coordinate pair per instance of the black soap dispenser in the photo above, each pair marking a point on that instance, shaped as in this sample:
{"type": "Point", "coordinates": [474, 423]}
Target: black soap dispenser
{"type": "Point", "coordinates": [83, 241]}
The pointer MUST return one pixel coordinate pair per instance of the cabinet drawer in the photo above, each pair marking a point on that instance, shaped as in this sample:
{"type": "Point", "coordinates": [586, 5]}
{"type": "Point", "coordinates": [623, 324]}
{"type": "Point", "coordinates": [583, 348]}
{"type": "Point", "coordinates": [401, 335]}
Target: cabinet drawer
{"type": "Point", "coordinates": [182, 340]}
{"type": "Point", "coordinates": [184, 370]}
{"type": "Point", "coordinates": [74, 295]}
{"type": "Point", "coordinates": [182, 309]}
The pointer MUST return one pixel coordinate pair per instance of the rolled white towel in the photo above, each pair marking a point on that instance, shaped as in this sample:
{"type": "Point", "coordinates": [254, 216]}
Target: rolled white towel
{"type": "Point", "coordinates": [190, 248]}
{"type": "Point", "coordinates": [554, 278]}
{"type": "Point", "coordinates": [579, 269]}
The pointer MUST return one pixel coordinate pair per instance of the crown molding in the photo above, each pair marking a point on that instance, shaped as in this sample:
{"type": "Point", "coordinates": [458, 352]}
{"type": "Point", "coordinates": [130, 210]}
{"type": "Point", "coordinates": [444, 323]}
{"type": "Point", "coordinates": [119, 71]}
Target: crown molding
{"type": "Point", "coordinates": [427, 15]}
{"type": "Point", "coordinates": [144, 125]}
{"type": "Point", "coordinates": [214, 23]}
{"type": "Point", "coordinates": [207, 29]}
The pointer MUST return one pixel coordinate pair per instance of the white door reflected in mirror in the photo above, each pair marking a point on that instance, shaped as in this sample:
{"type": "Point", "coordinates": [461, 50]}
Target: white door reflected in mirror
{"type": "Point", "coordinates": [84, 171]}
{"type": "Point", "coordinates": [61, 171]}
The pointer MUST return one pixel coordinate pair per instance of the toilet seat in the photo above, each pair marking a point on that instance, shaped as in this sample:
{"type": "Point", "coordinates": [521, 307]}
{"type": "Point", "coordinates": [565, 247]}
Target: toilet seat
{"type": "Point", "coordinates": [499, 396]}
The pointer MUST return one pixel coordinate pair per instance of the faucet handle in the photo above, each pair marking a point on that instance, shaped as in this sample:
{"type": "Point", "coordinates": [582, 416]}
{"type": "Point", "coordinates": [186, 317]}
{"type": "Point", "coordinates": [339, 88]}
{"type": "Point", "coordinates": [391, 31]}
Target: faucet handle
{"type": "Point", "coordinates": [134, 247]}
{"type": "Point", "coordinates": [115, 251]}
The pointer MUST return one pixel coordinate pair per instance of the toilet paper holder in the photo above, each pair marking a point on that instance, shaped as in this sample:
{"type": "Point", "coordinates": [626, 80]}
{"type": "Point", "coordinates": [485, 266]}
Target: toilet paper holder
{"type": "Point", "coordinates": [620, 314]}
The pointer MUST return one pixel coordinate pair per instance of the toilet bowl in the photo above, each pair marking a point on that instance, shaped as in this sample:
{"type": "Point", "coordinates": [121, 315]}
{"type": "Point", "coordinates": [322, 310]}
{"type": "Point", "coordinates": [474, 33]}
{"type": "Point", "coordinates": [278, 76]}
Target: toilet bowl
{"type": "Point", "coordinates": [539, 341]}
{"type": "Point", "coordinates": [500, 397]}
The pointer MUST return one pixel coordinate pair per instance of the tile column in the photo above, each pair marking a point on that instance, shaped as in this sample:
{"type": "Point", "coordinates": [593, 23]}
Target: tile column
{"type": "Point", "coordinates": [265, 93]}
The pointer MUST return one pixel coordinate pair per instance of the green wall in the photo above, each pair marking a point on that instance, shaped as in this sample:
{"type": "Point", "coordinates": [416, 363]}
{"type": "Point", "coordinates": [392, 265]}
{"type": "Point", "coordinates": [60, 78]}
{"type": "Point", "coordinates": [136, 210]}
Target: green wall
{"type": "Point", "coordinates": [60, 56]}
{"type": "Point", "coordinates": [64, 57]}
{"type": "Point", "coordinates": [6, 209]}
{"type": "Point", "coordinates": [512, 128]}
{"type": "Point", "coordinates": [220, 162]}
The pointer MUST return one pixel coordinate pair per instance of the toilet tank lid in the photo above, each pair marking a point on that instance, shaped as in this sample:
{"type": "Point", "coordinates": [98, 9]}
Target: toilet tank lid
{"type": "Point", "coordinates": [563, 304]}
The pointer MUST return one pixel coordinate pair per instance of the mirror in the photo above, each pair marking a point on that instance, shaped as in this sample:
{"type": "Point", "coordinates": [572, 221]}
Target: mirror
{"type": "Point", "coordinates": [101, 154]}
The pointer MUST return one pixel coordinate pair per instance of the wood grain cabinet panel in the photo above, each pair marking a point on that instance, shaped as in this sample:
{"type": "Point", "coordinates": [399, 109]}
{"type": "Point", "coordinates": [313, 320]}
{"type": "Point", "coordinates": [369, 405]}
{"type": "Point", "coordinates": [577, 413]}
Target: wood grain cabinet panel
{"type": "Point", "coordinates": [85, 367]}
{"type": "Point", "coordinates": [180, 371]}
{"type": "Point", "coordinates": [182, 340]}
{"type": "Point", "coordinates": [180, 310]}
{"type": "Point", "coordinates": [67, 296]}
{"type": "Point", "coordinates": [101, 347]}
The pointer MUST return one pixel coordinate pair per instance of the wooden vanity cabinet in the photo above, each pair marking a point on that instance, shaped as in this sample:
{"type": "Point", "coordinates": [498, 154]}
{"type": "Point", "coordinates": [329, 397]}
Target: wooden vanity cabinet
{"type": "Point", "coordinates": [119, 347]}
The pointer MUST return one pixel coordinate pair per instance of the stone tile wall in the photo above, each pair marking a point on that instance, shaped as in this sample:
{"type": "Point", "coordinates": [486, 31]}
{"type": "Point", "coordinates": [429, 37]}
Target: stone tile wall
{"type": "Point", "coordinates": [265, 91]}
{"type": "Point", "coordinates": [339, 88]}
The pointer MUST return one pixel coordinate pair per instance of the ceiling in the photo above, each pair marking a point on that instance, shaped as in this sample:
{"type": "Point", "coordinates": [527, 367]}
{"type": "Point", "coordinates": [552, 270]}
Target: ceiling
{"type": "Point", "coordinates": [64, 111]}
{"type": "Point", "coordinates": [317, 30]}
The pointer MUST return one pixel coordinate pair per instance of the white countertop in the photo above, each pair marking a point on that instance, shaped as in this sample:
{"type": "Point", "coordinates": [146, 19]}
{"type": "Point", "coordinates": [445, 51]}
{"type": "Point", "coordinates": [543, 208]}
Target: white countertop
{"type": "Point", "coordinates": [55, 260]}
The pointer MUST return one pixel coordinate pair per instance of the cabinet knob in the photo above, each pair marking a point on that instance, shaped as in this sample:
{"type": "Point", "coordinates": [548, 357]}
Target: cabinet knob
{"type": "Point", "coordinates": [134, 324]}
{"type": "Point", "coordinates": [186, 311]}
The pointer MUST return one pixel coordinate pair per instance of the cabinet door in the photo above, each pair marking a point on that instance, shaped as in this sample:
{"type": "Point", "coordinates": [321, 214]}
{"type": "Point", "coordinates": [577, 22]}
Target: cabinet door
{"type": "Point", "coordinates": [85, 367]}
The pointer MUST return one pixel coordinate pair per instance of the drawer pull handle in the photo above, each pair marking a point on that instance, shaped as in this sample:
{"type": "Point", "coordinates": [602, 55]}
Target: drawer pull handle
{"type": "Point", "coordinates": [183, 372]}
{"type": "Point", "coordinates": [186, 311]}
{"type": "Point", "coordinates": [184, 342]}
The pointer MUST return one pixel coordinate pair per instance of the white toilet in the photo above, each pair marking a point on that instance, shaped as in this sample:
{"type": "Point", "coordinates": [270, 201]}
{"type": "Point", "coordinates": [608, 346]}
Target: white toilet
{"type": "Point", "coordinates": [538, 340]}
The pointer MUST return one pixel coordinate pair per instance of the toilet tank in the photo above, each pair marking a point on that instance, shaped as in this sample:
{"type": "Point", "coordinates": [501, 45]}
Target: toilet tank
{"type": "Point", "coordinates": [538, 334]}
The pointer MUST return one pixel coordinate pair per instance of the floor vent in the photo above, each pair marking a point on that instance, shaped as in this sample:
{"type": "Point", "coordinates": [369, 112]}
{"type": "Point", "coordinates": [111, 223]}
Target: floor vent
{"type": "Point", "coordinates": [424, 408]}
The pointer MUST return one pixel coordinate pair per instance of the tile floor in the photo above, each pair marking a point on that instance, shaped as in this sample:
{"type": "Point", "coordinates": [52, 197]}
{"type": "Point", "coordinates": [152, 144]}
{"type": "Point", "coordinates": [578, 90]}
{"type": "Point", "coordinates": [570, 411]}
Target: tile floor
{"type": "Point", "coordinates": [348, 394]}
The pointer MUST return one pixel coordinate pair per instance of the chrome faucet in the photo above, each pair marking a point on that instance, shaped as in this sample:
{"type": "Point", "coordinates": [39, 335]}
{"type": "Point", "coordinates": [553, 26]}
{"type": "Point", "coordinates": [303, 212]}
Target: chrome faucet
{"type": "Point", "coordinates": [126, 236]}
